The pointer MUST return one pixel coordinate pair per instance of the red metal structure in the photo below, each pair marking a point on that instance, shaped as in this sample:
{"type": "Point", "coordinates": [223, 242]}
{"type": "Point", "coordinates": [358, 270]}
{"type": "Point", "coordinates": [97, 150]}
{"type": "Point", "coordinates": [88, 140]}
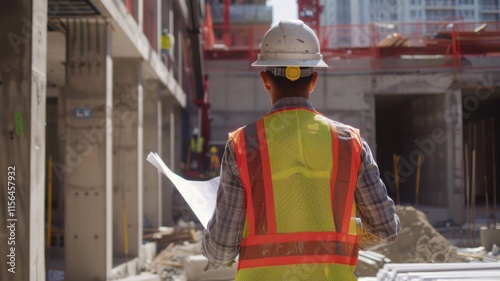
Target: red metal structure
{"type": "Point", "coordinates": [451, 41]}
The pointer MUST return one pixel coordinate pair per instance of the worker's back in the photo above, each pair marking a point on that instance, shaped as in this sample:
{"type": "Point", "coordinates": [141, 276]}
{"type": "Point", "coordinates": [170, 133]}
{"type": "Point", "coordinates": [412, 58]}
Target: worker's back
{"type": "Point", "coordinates": [299, 172]}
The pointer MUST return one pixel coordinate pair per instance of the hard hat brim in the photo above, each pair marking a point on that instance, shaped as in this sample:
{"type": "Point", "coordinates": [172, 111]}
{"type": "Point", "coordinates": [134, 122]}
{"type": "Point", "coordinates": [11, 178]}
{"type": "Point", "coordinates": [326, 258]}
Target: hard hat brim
{"type": "Point", "coordinates": [280, 62]}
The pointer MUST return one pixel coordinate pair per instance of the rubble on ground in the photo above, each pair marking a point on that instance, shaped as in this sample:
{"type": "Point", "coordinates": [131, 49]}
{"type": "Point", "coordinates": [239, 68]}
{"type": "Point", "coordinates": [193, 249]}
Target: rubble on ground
{"type": "Point", "coordinates": [418, 242]}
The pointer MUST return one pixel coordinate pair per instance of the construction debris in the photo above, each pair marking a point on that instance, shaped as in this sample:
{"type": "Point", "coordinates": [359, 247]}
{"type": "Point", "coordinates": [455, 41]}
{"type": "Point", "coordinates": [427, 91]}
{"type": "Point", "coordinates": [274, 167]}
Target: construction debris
{"type": "Point", "coordinates": [421, 253]}
{"type": "Point", "coordinates": [418, 241]}
{"type": "Point", "coordinates": [179, 234]}
{"type": "Point", "coordinates": [171, 262]}
{"type": "Point", "coordinates": [194, 265]}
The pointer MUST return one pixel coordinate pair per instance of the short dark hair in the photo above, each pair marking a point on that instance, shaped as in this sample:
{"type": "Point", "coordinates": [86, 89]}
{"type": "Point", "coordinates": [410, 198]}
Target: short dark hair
{"type": "Point", "coordinates": [292, 88]}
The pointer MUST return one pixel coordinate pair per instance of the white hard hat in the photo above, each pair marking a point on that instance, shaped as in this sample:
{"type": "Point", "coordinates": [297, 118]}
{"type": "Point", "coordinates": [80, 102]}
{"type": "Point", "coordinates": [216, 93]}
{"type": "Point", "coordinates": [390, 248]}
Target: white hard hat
{"type": "Point", "coordinates": [290, 43]}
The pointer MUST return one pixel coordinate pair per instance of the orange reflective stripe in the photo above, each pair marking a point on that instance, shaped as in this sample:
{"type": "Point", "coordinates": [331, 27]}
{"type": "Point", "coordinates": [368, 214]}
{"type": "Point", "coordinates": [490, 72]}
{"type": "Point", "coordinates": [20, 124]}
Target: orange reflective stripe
{"type": "Point", "coordinates": [268, 183]}
{"type": "Point", "coordinates": [342, 186]}
{"type": "Point", "coordinates": [342, 171]}
{"type": "Point", "coordinates": [297, 237]}
{"type": "Point", "coordinates": [314, 246]}
{"type": "Point", "coordinates": [352, 185]}
{"type": "Point", "coordinates": [241, 159]}
{"type": "Point", "coordinates": [303, 248]}
{"type": "Point", "coordinates": [335, 158]}
{"type": "Point", "coordinates": [289, 260]}
{"type": "Point", "coordinates": [255, 173]}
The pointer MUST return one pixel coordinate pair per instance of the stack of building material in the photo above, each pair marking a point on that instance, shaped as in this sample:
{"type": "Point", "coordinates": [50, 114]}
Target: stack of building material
{"type": "Point", "coordinates": [479, 254]}
{"type": "Point", "coordinates": [439, 271]}
{"type": "Point", "coordinates": [369, 262]}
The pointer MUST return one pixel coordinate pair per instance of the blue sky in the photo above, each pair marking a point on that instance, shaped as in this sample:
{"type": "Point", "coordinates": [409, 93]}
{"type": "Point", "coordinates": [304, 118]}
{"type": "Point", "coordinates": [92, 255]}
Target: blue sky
{"type": "Point", "coordinates": [283, 9]}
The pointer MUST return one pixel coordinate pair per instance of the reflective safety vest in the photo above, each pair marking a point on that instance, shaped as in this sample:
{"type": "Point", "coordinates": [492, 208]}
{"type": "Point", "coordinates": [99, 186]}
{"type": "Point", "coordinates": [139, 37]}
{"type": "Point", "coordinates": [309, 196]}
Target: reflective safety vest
{"type": "Point", "coordinates": [299, 171]}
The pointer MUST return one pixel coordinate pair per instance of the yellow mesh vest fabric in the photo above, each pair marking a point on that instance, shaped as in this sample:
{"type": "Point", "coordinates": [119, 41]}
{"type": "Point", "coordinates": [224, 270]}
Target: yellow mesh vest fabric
{"type": "Point", "coordinates": [301, 180]}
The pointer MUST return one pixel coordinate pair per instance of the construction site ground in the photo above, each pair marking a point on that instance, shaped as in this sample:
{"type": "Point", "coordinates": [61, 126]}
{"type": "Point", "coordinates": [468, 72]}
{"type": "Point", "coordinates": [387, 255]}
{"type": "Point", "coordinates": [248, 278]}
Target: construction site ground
{"type": "Point", "coordinates": [425, 247]}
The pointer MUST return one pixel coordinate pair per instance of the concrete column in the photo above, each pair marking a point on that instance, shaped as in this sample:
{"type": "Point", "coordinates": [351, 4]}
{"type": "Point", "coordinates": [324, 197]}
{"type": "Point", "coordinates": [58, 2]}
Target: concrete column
{"type": "Point", "coordinates": [454, 145]}
{"type": "Point", "coordinates": [180, 58]}
{"type": "Point", "coordinates": [127, 158]}
{"type": "Point", "coordinates": [140, 14]}
{"type": "Point", "coordinates": [152, 198]}
{"type": "Point", "coordinates": [87, 167]}
{"type": "Point", "coordinates": [159, 124]}
{"type": "Point", "coordinates": [159, 29]}
{"type": "Point", "coordinates": [168, 150]}
{"type": "Point", "coordinates": [23, 64]}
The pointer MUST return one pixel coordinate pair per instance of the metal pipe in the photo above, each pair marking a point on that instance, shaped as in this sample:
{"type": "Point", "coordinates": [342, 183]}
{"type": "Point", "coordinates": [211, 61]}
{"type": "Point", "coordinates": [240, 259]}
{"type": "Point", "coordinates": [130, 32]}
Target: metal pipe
{"type": "Point", "coordinates": [49, 201]}
{"type": "Point", "coordinates": [467, 188]}
{"type": "Point", "coordinates": [417, 184]}
{"type": "Point", "coordinates": [485, 177]}
{"type": "Point", "coordinates": [226, 25]}
{"type": "Point", "coordinates": [396, 177]}
{"type": "Point", "coordinates": [473, 208]}
{"type": "Point", "coordinates": [494, 171]}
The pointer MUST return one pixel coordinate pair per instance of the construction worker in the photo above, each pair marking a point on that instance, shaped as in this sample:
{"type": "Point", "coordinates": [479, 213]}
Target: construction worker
{"type": "Point", "coordinates": [214, 166]}
{"type": "Point", "coordinates": [167, 44]}
{"type": "Point", "coordinates": [294, 182]}
{"type": "Point", "coordinates": [195, 148]}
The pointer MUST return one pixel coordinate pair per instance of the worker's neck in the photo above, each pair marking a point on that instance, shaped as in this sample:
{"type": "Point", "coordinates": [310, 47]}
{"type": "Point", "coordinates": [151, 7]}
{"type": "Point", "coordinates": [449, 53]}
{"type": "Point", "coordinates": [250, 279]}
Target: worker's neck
{"type": "Point", "coordinates": [276, 97]}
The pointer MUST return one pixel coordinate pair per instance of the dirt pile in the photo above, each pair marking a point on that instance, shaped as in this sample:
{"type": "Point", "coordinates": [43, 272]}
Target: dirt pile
{"type": "Point", "coordinates": [418, 241]}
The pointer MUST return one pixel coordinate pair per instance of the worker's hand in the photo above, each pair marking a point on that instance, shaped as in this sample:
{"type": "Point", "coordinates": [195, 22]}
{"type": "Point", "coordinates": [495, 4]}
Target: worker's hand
{"type": "Point", "coordinates": [367, 240]}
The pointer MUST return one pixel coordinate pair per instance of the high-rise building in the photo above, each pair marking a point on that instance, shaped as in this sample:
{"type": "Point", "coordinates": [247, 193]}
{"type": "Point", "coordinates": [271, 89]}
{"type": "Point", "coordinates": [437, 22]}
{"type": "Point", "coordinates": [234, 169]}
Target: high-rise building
{"type": "Point", "coordinates": [337, 13]}
{"type": "Point", "coordinates": [340, 12]}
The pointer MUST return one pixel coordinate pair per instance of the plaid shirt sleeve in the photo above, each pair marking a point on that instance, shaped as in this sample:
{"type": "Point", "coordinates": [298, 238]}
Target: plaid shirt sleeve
{"type": "Point", "coordinates": [221, 242]}
{"type": "Point", "coordinates": [378, 224]}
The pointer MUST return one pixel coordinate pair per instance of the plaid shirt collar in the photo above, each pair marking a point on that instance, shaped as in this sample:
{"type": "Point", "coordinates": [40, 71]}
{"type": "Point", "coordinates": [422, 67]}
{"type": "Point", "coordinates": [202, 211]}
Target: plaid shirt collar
{"type": "Point", "coordinates": [291, 102]}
